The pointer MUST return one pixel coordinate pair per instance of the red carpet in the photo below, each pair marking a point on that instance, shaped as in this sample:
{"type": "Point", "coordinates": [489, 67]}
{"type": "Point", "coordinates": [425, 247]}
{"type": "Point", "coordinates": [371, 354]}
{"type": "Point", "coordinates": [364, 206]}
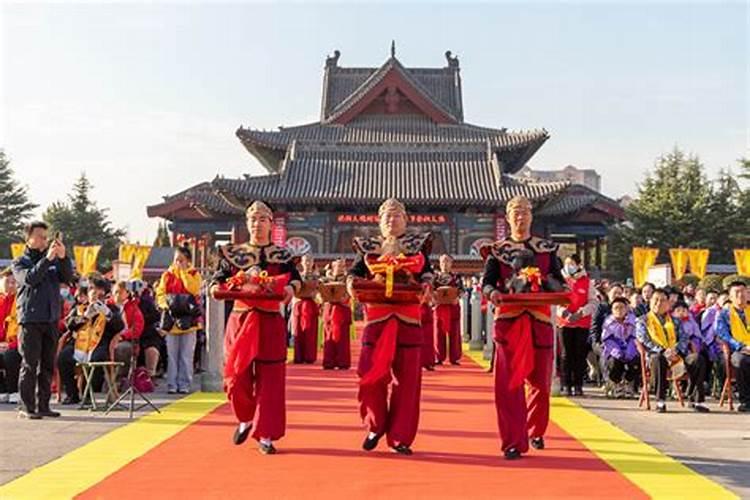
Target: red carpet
{"type": "Point", "coordinates": [457, 453]}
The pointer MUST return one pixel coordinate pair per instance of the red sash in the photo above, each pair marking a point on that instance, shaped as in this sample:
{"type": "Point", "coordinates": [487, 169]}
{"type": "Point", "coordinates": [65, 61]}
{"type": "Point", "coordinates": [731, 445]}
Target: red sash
{"type": "Point", "coordinates": [241, 349]}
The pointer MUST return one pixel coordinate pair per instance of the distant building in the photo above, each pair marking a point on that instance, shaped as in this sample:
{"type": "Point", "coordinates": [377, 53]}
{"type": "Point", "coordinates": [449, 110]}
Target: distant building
{"type": "Point", "coordinates": [584, 176]}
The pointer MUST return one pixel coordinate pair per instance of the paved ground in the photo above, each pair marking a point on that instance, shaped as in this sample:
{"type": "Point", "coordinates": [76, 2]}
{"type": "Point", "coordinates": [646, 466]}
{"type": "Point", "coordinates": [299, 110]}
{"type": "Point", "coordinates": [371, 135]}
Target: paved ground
{"type": "Point", "coordinates": [716, 445]}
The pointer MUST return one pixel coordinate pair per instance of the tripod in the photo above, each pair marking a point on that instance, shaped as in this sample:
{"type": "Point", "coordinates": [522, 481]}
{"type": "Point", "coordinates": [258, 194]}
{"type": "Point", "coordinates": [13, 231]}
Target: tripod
{"type": "Point", "coordinates": [132, 391]}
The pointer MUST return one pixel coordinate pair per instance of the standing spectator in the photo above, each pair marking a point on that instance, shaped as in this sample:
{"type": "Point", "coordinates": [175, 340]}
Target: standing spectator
{"type": "Point", "coordinates": [177, 297]}
{"type": "Point", "coordinates": [699, 304]}
{"type": "Point", "coordinates": [10, 359]}
{"type": "Point", "coordinates": [575, 321]}
{"type": "Point", "coordinates": [39, 272]}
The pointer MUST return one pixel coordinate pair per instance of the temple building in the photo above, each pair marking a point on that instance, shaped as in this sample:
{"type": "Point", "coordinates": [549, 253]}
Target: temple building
{"type": "Point", "coordinates": [390, 131]}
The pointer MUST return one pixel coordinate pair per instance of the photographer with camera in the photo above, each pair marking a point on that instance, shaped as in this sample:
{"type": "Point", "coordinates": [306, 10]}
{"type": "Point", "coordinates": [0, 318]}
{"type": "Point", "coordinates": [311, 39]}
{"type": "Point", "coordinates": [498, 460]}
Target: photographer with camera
{"type": "Point", "coordinates": [177, 295]}
{"type": "Point", "coordinates": [39, 272]}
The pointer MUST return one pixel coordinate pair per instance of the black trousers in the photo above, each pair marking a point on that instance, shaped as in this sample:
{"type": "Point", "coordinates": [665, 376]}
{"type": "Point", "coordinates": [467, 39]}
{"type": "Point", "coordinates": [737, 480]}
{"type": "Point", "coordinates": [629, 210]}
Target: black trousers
{"type": "Point", "coordinates": [66, 364]}
{"type": "Point", "coordinates": [37, 346]}
{"type": "Point", "coordinates": [741, 364]}
{"type": "Point", "coordinates": [10, 363]}
{"type": "Point", "coordinates": [618, 368]}
{"type": "Point", "coordinates": [696, 368]}
{"type": "Point", "coordinates": [696, 365]}
{"type": "Point", "coordinates": [575, 347]}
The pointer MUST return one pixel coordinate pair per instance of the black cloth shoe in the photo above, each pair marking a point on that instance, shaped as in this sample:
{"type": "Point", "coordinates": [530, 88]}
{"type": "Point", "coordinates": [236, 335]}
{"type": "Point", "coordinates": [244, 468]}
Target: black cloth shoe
{"type": "Point", "coordinates": [241, 437]}
{"type": "Point", "coordinates": [71, 400]}
{"type": "Point", "coordinates": [30, 415]}
{"type": "Point", "coordinates": [661, 407]}
{"type": "Point", "coordinates": [429, 368]}
{"type": "Point", "coordinates": [402, 449]}
{"type": "Point", "coordinates": [456, 363]}
{"type": "Point", "coordinates": [49, 413]}
{"type": "Point", "coordinates": [700, 408]}
{"type": "Point", "coordinates": [537, 443]}
{"type": "Point", "coordinates": [267, 449]}
{"type": "Point", "coordinates": [569, 392]}
{"type": "Point", "coordinates": [371, 443]}
{"type": "Point", "coordinates": [512, 454]}
{"type": "Point", "coordinates": [578, 391]}
{"type": "Point", "coordinates": [743, 408]}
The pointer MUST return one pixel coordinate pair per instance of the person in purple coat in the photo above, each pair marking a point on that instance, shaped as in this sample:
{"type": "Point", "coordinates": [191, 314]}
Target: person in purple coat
{"type": "Point", "coordinates": [619, 352]}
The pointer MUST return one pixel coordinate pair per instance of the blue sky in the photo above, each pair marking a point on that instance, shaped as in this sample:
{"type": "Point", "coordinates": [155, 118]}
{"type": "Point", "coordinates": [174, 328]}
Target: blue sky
{"type": "Point", "coordinates": [145, 97]}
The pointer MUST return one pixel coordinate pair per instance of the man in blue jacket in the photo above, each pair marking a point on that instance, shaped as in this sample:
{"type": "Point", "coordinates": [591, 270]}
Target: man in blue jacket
{"type": "Point", "coordinates": [39, 272]}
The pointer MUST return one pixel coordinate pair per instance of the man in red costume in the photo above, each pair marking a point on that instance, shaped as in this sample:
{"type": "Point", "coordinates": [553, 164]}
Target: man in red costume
{"type": "Point", "coordinates": [255, 337]}
{"type": "Point", "coordinates": [448, 314]}
{"type": "Point", "coordinates": [305, 314]}
{"type": "Point", "coordinates": [523, 335]}
{"type": "Point", "coordinates": [392, 338]}
{"type": "Point", "coordinates": [337, 320]}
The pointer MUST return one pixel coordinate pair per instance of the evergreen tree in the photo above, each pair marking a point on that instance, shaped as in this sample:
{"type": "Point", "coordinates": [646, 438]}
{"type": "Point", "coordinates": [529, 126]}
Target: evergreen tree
{"type": "Point", "coordinates": [82, 222]}
{"type": "Point", "coordinates": [162, 236]}
{"type": "Point", "coordinates": [15, 207]}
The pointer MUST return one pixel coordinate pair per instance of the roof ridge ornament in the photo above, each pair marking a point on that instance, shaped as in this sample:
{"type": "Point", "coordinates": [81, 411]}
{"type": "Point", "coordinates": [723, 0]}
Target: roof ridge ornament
{"type": "Point", "coordinates": [452, 60]}
{"type": "Point", "coordinates": [333, 61]}
{"type": "Point", "coordinates": [393, 49]}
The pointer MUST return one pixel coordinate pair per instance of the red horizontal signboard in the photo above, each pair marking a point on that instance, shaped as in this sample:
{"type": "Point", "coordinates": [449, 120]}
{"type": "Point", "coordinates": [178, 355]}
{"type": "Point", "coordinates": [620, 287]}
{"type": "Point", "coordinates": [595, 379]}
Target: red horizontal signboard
{"type": "Point", "coordinates": [374, 219]}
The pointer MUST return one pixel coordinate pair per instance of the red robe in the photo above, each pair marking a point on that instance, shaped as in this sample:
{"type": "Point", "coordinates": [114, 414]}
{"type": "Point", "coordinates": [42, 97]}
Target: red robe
{"type": "Point", "coordinates": [391, 350]}
{"type": "Point", "coordinates": [428, 341]}
{"type": "Point", "coordinates": [448, 322]}
{"type": "Point", "coordinates": [255, 342]}
{"type": "Point", "coordinates": [305, 318]}
{"type": "Point", "coordinates": [337, 320]}
{"type": "Point", "coordinates": [523, 346]}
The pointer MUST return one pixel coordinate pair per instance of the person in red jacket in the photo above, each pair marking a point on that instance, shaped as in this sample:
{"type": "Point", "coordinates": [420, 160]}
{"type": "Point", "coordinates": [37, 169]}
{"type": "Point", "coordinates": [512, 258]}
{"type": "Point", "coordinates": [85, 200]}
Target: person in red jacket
{"type": "Point", "coordinates": [124, 343]}
{"type": "Point", "coordinates": [10, 358]}
{"type": "Point", "coordinates": [575, 321]}
{"type": "Point", "coordinates": [337, 320]}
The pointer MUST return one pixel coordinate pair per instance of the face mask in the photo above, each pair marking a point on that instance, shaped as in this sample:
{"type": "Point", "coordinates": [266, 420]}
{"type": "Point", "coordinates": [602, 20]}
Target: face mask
{"type": "Point", "coordinates": [571, 270]}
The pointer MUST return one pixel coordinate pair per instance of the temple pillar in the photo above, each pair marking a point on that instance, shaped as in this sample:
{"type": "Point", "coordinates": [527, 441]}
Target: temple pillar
{"type": "Point", "coordinates": [476, 343]}
{"type": "Point", "coordinates": [212, 379]}
{"type": "Point", "coordinates": [489, 342]}
{"type": "Point", "coordinates": [598, 253]}
{"type": "Point", "coordinates": [586, 254]}
{"type": "Point", "coordinates": [465, 323]}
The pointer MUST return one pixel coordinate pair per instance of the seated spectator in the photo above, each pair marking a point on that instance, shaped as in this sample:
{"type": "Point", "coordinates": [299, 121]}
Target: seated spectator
{"type": "Point", "coordinates": [695, 360]}
{"type": "Point", "coordinates": [603, 309]}
{"type": "Point", "coordinates": [10, 358]}
{"type": "Point", "coordinates": [124, 343]}
{"type": "Point", "coordinates": [699, 304]}
{"type": "Point", "coordinates": [733, 328]}
{"type": "Point", "coordinates": [151, 340]}
{"type": "Point", "coordinates": [647, 292]}
{"type": "Point", "coordinates": [667, 345]}
{"type": "Point", "coordinates": [619, 352]}
{"type": "Point", "coordinates": [92, 327]}
{"type": "Point", "coordinates": [635, 301]}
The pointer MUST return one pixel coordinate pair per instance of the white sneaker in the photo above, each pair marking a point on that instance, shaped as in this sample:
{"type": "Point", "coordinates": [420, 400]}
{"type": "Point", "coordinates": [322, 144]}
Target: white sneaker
{"type": "Point", "coordinates": [14, 398]}
{"type": "Point", "coordinates": [4, 397]}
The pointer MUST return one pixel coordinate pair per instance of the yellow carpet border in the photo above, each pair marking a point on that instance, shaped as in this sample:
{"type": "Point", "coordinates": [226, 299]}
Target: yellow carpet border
{"type": "Point", "coordinates": [657, 474]}
{"type": "Point", "coordinates": [82, 468]}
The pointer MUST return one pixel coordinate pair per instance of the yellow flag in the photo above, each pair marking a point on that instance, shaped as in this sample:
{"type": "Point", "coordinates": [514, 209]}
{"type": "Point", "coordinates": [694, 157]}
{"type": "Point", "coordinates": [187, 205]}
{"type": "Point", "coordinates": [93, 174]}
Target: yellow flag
{"type": "Point", "coordinates": [643, 259]}
{"type": "Point", "coordinates": [126, 253]}
{"type": "Point", "coordinates": [698, 261]}
{"type": "Point", "coordinates": [140, 257]}
{"type": "Point", "coordinates": [679, 258]}
{"type": "Point", "coordinates": [85, 257]}
{"type": "Point", "coordinates": [742, 259]}
{"type": "Point", "coordinates": [17, 249]}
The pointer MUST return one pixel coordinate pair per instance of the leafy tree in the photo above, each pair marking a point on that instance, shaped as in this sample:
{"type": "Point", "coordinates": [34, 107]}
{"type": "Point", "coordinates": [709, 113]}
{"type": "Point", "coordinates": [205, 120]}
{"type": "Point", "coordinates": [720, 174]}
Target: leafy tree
{"type": "Point", "coordinates": [82, 222]}
{"type": "Point", "coordinates": [15, 207]}
{"type": "Point", "coordinates": [162, 236]}
{"type": "Point", "coordinates": [676, 207]}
